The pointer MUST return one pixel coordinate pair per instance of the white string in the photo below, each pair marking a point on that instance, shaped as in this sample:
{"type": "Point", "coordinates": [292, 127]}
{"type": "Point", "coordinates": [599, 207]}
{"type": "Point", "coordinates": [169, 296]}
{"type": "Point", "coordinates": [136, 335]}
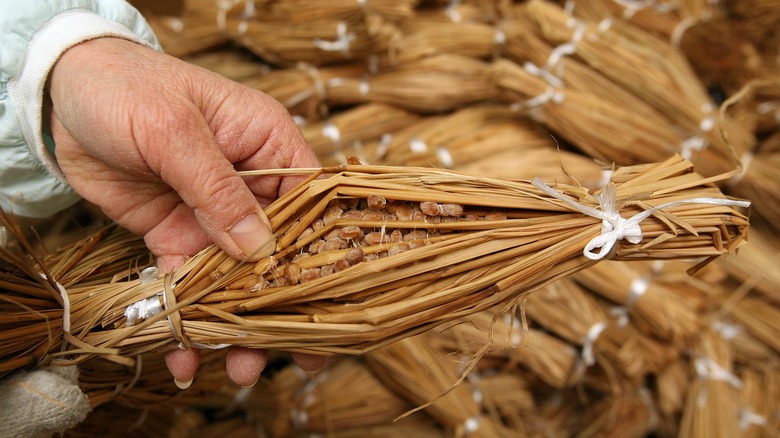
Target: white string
{"type": "Point", "coordinates": [708, 369]}
{"type": "Point", "coordinates": [471, 425]}
{"type": "Point", "coordinates": [590, 339]}
{"type": "Point", "coordinates": [637, 288]}
{"type": "Point", "coordinates": [613, 226]}
{"type": "Point", "coordinates": [445, 157]}
{"type": "Point", "coordinates": [605, 24]}
{"type": "Point", "coordinates": [748, 418]}
{"type": "Point", "coordinates": [331, 132]}
{"type": "Point", "coordinates": [65, 307]}
{"type": "Point", "coordinates": [340, 44]}
{"type": "Point", "coordinates": [175, 24]}
{"type": "Point", "coordinates": [418, 146]}
{"type": "Point", "coordinates": [223, 6]}
{"type": "Point", "coordinates": [567, 48]}
{"type": "Point", "coordinates": [727, 331]}
{"type": "Point", "coordinates": [384, 144]}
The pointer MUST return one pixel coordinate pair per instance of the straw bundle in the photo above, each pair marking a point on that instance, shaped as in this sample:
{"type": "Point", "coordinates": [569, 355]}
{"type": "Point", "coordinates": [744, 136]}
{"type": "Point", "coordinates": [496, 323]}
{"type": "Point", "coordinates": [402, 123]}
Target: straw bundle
{"type": "Point", "coordinates": [756, 401]}
{"type": "Point", "coordinates": [705, 32]}
{"type": "Point", "coordinates": [345, 395]}
{"type": "Point", "coordinates": [566, 310]}
{"type": "Point", "coordinates": [503, 342]}
{"type": "Point", "coordinates": [464, 136]}
{"type": "Point", "coordinates": [435, 84]}
{"type": "Point", "coordinates": [523, 45]}
{"type": "Point", "coordinates": [652, 70]}
{"type": "Point", "coordinates": [429, 34]}
{"type": "Point", "coordinates": [662, 308]}
{"type": "Point", "coordinates": [343, 134]}
{"type": "Point", "coordinates": [302, 88]}
{"type": "Point", "coordinates": [387, 252]}
{"type": "Point", "coordinates": [526, 163]}
{"type": "Point", "coordinates": [194, 30]}
{"type": "Point", "coordinates": [629, 415]}
{"type": "Point", "coordinates": [712, 400]}
{"type": "Point", "coordinates": [760, 180]}
{"type": "Point", "coordinates": [595, 126]}
{"type": "Point", "coordinates": [335, 32]}
{"type": "Point", "coordinates": [148, 384]}
{"type": "Point", "coordinates": [756, 265]}
{"type": "Point", "coordinates": [233, 63]}
{"type": "Point", "coordinates": [417, 372]}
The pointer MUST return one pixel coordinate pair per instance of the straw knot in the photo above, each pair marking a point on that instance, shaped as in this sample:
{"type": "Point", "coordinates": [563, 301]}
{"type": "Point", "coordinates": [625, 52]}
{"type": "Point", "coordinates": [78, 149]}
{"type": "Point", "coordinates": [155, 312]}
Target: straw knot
{"type": "Point", "coordinates": [613, 226]}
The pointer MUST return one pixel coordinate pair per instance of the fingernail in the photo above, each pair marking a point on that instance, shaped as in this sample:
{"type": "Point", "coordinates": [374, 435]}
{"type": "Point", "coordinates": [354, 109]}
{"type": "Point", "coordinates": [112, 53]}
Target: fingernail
{"type": "Point", "coordinates": [182, 385]}
{"type": "Point", "coordinates": [253, 236]}
{"type": "Point", "coordinates": [252, 384]}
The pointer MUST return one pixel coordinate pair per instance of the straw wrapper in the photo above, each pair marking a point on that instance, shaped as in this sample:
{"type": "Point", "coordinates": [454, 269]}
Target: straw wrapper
{"type": "Point", "coordinates": [368, 256]}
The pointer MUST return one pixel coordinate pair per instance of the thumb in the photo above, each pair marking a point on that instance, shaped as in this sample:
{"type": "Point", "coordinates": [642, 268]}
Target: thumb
{"type": "Point", "coordinates": [192, 163]}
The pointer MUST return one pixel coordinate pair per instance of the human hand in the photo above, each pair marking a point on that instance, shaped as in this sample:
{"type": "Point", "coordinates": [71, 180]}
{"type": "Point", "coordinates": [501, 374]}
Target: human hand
{"type": "Point", "coordinates": [156, 143]}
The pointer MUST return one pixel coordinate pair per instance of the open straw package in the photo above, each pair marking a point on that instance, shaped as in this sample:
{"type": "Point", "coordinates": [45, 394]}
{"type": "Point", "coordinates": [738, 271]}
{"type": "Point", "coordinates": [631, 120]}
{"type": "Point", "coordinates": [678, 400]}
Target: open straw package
{"type": "Point", "coordinates": [533, 218]}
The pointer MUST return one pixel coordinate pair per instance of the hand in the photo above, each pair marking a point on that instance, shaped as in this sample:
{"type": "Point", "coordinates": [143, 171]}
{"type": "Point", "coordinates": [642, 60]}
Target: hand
{"type": "Point", "coordinates": [156, 142]}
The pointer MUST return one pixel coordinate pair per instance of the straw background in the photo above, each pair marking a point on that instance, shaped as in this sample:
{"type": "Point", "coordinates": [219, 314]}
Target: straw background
{"type": "Point", "coordinates": [572, 92]}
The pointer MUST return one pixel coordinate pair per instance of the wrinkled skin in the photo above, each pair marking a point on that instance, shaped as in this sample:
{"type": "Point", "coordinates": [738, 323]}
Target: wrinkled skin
{"type": "Point", "coordinates": [156, 142]}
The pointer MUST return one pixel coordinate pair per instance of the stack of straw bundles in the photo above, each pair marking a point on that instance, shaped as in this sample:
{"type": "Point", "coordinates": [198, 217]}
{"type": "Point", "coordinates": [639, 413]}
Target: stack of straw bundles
{"type": "Point", "coordinates": [286, 33]}
{"type": "Point", "coordinates": [366, 257]}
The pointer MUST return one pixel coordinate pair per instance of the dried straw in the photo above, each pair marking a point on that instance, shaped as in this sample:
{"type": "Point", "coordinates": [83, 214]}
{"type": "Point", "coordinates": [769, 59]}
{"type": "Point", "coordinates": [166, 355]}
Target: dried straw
{"type": "Point", "coordinates": [445, 267]}
{"type": "Point", "coordinates": [655, 72]}
{"type": "Point", "coordinates": [435, 84]}
{"type": "Point", "coordinates": [345, 395]}
{"type": "Point", "coordinates": [414, 370]}
{"type": "Point", "coordinates": [195, 30]}
{"type": "Point", "coordinates": [343, 134]}
{"type": "Point", "coordinates": [463, 137]}
{"type": "Point", "coordinates": [712, 400]}
{"type": "Point", "coordinates": [302, 88]}
{"type": "Point", "coordinates": [284, 34]}
{"type": "Point", "coordinates": [662, 308]}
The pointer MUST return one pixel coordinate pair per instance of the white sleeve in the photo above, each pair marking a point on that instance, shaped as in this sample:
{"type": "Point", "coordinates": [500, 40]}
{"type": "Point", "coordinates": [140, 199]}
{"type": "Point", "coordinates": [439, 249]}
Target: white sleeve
{"type": "Point", "coordinates": [33, 35]}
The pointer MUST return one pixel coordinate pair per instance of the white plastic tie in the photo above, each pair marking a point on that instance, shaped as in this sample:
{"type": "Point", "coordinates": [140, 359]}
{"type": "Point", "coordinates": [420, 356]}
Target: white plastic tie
{"type": "Point", "coordinates": [143, 309]}
{"type": "Point", "coordinates": [147, 307]}
{"type": "Point", "coordinates": [590, 339]}
{"type": "Point", "coordinates": [613, 226]}
{"type": "Point", "coordinates": [340, 44]}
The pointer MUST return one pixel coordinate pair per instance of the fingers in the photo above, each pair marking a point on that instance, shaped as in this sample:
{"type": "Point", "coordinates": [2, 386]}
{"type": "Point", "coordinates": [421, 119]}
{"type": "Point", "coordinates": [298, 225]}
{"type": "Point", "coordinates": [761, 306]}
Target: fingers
{"type": "Point", "coordinates": [244, 365]}
{"type": "Point", "coordinates": [311, 363]}
{"type": "Point", "coordinates": [182, 364]}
